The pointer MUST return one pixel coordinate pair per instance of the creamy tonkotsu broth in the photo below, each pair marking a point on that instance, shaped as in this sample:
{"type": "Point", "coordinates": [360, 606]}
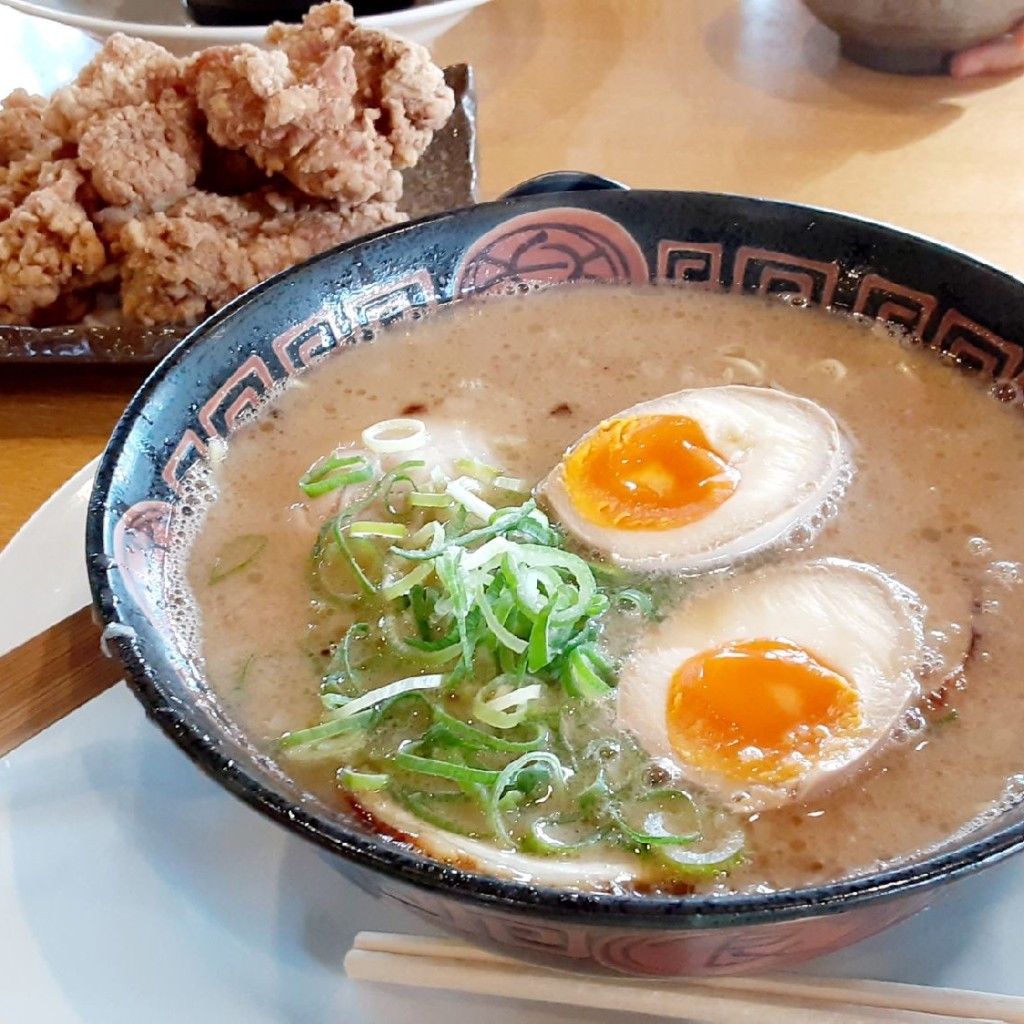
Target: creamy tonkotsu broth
{"type": "Point", "coordinates": [929, 498]}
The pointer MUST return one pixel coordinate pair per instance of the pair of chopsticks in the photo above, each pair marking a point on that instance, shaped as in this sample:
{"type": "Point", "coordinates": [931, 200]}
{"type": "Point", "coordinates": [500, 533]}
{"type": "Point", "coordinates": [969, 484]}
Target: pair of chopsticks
{"type": "Point", "coordinates": [50, 675]}
{"type": "Point", "coordinates": [455, 966]}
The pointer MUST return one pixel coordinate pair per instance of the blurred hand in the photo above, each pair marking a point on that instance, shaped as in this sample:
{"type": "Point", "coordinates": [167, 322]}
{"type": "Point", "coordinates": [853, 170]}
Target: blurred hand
{"type": "Point", "coordinates": [1005, 54]}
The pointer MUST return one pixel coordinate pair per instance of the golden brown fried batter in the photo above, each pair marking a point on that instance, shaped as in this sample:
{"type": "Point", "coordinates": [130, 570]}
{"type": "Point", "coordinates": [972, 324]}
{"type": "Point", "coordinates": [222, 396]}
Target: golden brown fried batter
{"type": "Point", "coordinates": [22, 131]}
{"type": "Point", "coordinates": [136, 126]}
{"type": "Point", "coordinates": [296, 148]}
{"type": "Point", "coordinates": [125, 73]}
{"type": "Point", "coordinates": [144, 153]}
{"type": "Point", "coordinates": [334, 108]}
{"type": "Point", "coordinates": [47, 242]}
{"type": "Point", "coordinates": [206, 249]}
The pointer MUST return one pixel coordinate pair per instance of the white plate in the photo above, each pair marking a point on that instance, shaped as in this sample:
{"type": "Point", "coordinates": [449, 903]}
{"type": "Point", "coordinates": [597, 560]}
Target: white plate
{"type": "Point", "coordinates": [133, 888]}
{"type": "Point", "coordinates": [167, 22]}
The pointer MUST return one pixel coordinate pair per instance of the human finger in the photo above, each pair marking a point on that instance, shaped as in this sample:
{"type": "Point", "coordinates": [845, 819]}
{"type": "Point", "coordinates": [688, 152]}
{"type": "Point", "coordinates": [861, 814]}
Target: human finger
{"type": "Point", "coordinates": [995, 57]}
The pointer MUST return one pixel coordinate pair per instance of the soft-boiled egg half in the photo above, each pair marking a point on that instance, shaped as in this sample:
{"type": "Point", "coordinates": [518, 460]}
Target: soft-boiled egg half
{"type": "Point", "coordinates": [771, 686]}
{"type": "Point", "coordinates": [699, 479]}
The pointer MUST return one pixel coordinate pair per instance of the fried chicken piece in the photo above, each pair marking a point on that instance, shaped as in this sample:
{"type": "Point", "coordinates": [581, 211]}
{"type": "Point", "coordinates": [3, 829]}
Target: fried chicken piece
{"type": "Point", "coordinates": [18, 180]}
{"type": "Point", "coordinates": [301, 229]}
{"type": "Point", "coordinates": [396, 79]}
{"type": "Point", "coordinates": [125, 73]}
{"type": "Point", "coordinates": [46, 242]}
{"type": "Point", "coordinates": [143, 153]}
{"type": "Point", "coordinates": [22, 131]}
{"type": "Point", "coordinates": [335, 109]}
{"type": "Point", "coordinates": [137, 127]}
{"type": "Point", "coordinates": [186, 262]}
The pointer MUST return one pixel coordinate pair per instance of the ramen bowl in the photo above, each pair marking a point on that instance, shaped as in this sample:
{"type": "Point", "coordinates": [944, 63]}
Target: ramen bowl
{"type": "Point", "coordinates": [588, 230]}
{"type": "Point", "coordinates": [913, 37]}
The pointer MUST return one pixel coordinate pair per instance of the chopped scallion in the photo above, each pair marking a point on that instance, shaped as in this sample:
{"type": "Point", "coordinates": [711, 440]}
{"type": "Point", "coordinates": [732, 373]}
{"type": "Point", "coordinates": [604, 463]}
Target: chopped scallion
{"type": "Point", "coordinates": [362, 782]}
{"type": "Point", "coordinates": [237, 554]}
{"type": "Point", "coordinates": [336, 471]}
{"type": "Point", "coordinates": [397, 435]}
{"type": "Point", "coordinates": [371, 528]}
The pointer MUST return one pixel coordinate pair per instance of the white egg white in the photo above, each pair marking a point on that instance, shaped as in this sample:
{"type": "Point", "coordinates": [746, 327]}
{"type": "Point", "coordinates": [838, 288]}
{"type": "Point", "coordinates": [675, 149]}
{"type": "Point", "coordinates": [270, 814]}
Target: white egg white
{"type": "Point", "coordinates": [791, 458]}
{"type": "Point", "coordinates": [861, 623]}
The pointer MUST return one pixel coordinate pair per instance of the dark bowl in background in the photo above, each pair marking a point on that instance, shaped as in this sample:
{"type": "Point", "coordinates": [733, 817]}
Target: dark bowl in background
{"type": "Point", "coordinates": [955, 304]}
{"type": "Point", "coordinates": [262, 12]}
{"type": "Point", "coordinates": [914, 37]}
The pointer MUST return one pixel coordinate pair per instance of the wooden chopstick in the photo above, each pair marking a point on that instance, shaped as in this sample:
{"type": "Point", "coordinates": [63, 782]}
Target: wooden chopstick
{"type": "Point", "coordinates": [50, 675]}
{"type": "Point", "coordinates": [453, 965]}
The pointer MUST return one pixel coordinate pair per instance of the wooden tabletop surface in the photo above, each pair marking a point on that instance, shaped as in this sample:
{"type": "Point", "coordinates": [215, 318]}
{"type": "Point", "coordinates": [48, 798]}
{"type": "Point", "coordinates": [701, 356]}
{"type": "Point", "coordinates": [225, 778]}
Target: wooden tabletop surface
{"type": "Point", "coordinates": [720, 95]}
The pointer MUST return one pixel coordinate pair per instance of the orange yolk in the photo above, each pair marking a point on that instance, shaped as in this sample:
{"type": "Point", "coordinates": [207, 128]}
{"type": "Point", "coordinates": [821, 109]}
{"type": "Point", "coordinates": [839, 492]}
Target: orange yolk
{"type": "Point", "coordinates": [757, 710]}
{"type": "Point", "coordinates": [647, 473]}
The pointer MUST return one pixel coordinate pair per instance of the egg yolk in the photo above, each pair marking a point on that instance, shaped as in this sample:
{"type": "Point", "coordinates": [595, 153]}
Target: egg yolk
{"type": "Point", "coordinates": [757, 710]}
{"type": "Point", "coordinates": [647, 473]}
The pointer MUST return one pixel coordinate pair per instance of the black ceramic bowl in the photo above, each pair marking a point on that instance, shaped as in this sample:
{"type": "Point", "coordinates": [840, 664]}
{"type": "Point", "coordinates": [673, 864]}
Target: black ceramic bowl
{"type": "Point", "coordinates": [262, 12]}
{"type": "Point", "coordinates": [229, 365]}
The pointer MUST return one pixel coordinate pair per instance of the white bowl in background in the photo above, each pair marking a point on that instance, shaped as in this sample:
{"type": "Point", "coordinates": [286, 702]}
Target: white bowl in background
{"type": "Point", "coordinates": [167, 22]}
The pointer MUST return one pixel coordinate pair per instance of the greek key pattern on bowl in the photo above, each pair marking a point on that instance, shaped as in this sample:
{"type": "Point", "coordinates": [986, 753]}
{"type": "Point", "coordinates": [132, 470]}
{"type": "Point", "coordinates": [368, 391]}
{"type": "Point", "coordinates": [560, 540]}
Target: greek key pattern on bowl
{"type": "Point", "coordinates": [978, 348]}
{"type": "Point", "coordinates": [767, 272]}
{"type": "Point", "coordinates": [309, 341]}
{"type": "Point", "coordinates": [295, 351]}
{"type": "Point", "coordinates": [891, 303]}
{"type": "Point", "coordinates": [695, 263]}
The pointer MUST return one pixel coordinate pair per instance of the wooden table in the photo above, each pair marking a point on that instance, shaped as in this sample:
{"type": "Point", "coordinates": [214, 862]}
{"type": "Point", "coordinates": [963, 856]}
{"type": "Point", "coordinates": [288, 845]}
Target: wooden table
{"type": "Point", "coordinates": [721, 95]}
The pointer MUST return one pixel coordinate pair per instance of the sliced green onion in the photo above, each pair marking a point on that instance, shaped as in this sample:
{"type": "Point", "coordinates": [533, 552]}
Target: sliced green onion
{"type": "Point", "coordinates": [421, 605]}
{"type": "Point", "coordinates": [638, 599]}
{"type": "Point", "coordinates": [431, 654]}
{"type": "Point", "coordinates": [504, 636]}
{"type": "Point", "coordinates": [431, 534]}
{"type": "Point", "coordinates": [512, 483]}
{"type": "Point", "coordinates": [383, 693]}
{"type": "Point", "coordinates": [397, 478]}
{"type": "Point", "coordinates": [323, 731]}
{"type": "Point", "coordinates": [657, 827]}
{"type": "Point", "coordinates": [460, 773]}
{"type": "Point", "coordinates": [471, 737]}
{"type": "Point", "coordinates": [489, 554]}
{"type": "Point", "coordinates": [536, 556]}
{"type": "Point", "coordinates": [478, 470]}
{"type": "Point", "coordinates": [699, 864]}
{"type": "Point", "coordinates": [362, 782]}
{"type": "Point", "coordinates": [508, 778]}
{"type": "Point", "coordinates": [425, 499]}
{"type": "Point", "coordinates": [503, 521]}
{"type": "Point", "coordinates": [405, 583]}
{"type": "Point", "coordinates": [364, 581]}
{"type": "Point", "coordinates": [448, 572]}
{"type": "Point", "coordinates": [539, 651]}
{"type": "Point", "coordinates": [424, 806]}
{"type": "Point", "coordinates": [502, 703]}
{"type": "Point", "coordinates": [372, 528]}
{"type": "Point", "coordinates": [582, 676]}
{"type": "Point", "coordinates": [236, 554]}
{"type": "Point", "coordinates": [544, 837]}
{"type": "Point", "coordinates": [463, 491]}
{"type": "Point", "coordinates": [521, 695]}
{"type": "Point", "coordinates": [342, 657]}
{"type": "Point", "coordinates": [243, 672]}
{"type": "Point", "coordinates": [397, 435]}
{"type": "Point", "coordinates": [335, 471]}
